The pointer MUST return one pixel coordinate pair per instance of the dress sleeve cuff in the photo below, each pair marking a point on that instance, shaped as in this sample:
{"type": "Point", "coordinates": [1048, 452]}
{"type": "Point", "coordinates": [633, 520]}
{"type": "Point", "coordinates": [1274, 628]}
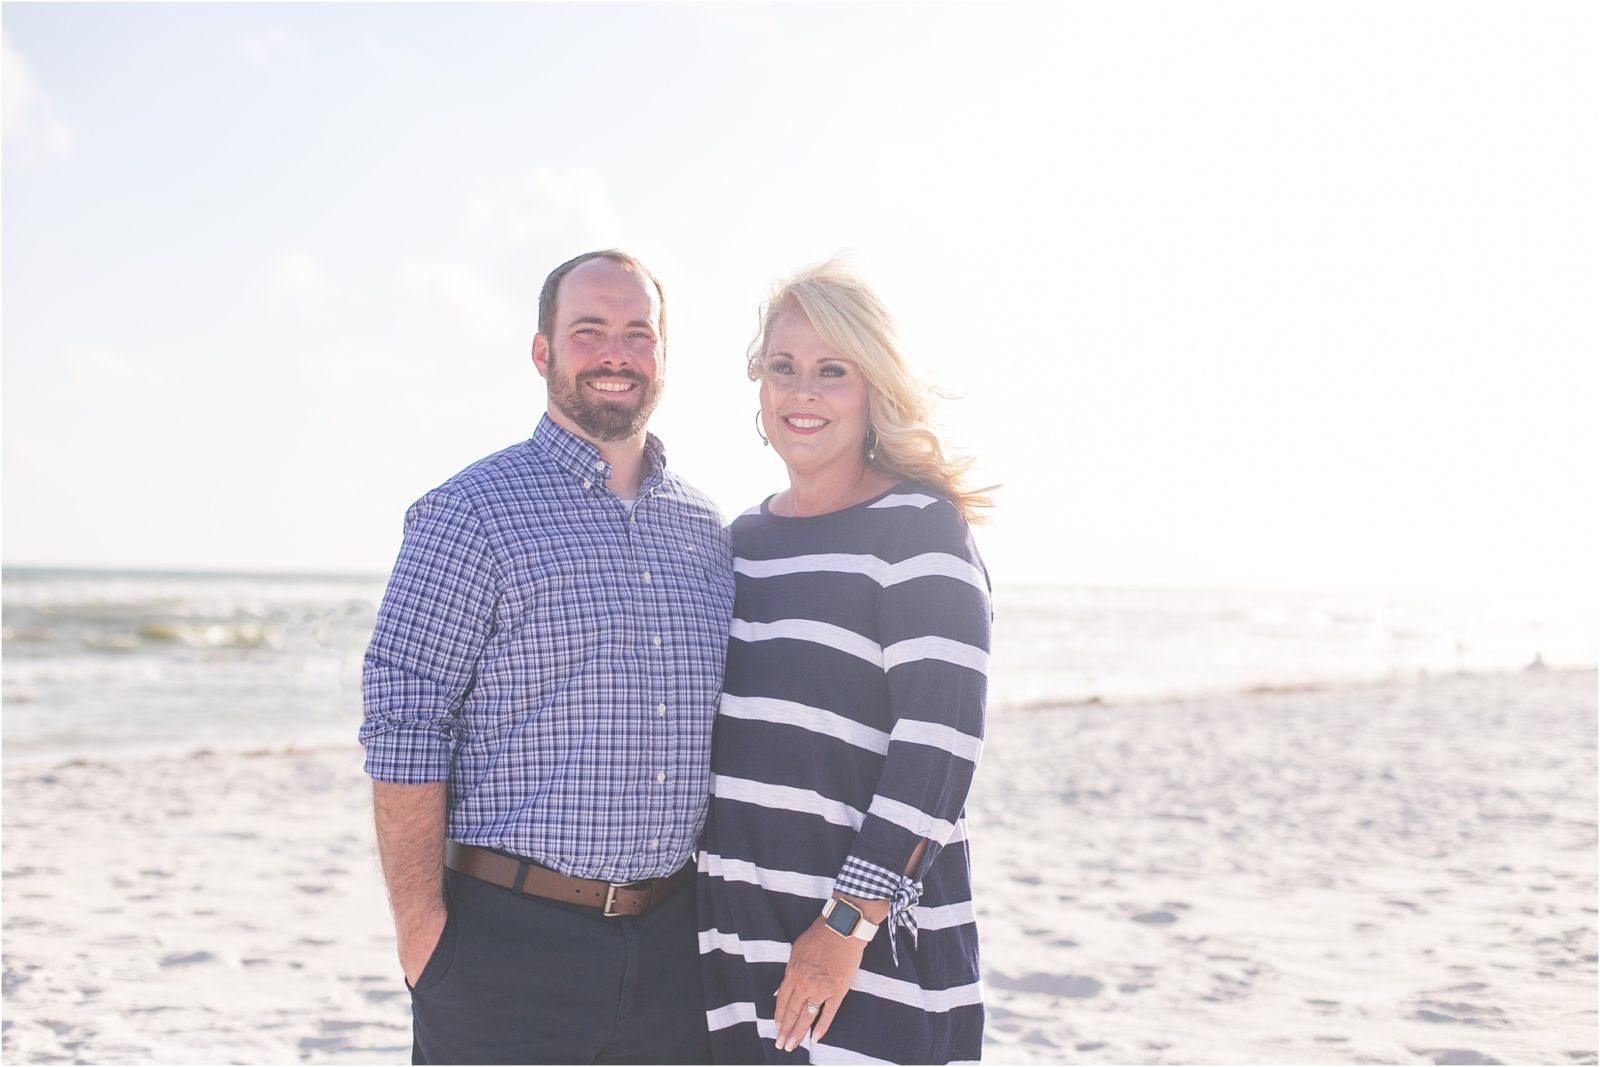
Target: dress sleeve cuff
{"type": "Point", "coordinates": [862, 879]}
{"type": "Point", "coordinates": [871, 882]}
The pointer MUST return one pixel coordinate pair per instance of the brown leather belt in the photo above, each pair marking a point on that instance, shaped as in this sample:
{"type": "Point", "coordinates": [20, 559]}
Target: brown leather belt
{"type": "Point", "coordinates": [521, 876]}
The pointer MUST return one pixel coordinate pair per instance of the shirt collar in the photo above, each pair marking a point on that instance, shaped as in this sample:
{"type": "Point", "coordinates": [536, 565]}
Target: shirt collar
{"type": "Point", "coordinates": [582, 460]}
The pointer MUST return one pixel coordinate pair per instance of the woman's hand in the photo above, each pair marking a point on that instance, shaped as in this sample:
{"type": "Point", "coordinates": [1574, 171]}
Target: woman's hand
{"type": "Point", "coordinates": [821, 967]}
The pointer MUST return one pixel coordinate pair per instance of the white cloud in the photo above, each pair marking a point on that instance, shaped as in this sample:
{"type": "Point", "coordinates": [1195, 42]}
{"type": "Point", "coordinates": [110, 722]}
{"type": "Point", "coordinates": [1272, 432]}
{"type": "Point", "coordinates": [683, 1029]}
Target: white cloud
{"type": "Point", "coordinates": [267, 47]}
{"type": "Point", "coordinates": [296, 277]}
{"type": "Point", "coordinates": [93, 368]}
{"type": "Point", "coordinates": [456, 294]}
{"type": "Point", "coordinates": [33, 134]}
{"type": "Point", "coordinates": [553, 212]}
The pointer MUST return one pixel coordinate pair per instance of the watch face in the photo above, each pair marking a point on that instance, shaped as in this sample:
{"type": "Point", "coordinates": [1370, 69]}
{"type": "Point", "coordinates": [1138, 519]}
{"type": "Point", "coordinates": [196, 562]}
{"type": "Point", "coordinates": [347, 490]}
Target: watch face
{"type": "Point", "coordinates": [844, 918]}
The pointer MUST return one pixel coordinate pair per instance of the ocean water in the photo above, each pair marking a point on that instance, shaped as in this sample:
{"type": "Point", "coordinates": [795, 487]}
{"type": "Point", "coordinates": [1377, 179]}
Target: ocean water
{"type": "Point", "coordinates": [102, 664]}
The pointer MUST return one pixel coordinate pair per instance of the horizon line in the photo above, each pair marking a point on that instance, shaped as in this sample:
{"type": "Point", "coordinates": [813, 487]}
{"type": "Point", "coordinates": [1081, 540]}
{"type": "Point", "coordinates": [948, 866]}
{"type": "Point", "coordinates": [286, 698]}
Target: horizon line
{"type": "Point", "coordinates": [152, 571]}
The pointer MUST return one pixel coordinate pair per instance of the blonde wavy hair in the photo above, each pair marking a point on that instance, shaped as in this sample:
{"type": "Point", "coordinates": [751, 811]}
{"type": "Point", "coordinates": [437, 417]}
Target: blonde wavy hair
{"type": "Point", "coordinates": [850, 318]}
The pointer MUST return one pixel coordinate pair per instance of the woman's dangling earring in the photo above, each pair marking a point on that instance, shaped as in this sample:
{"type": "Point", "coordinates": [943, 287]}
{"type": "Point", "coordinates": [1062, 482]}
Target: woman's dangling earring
{"type": "Point", "coordinates": [872, 446]}
{"type": "Point", "coordinates": [764, 441]}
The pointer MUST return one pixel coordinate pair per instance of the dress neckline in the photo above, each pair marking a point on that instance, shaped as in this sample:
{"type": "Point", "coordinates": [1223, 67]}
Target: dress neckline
{"type": "Point", "coordinates": [897, 487]}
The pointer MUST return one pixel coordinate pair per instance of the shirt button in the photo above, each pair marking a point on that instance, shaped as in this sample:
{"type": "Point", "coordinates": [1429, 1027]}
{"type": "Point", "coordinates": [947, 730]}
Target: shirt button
{"type": "Point", "coordinates": [661, 776]}
{"type": "Point", "coordinates": [661, 709]}
{"type": "Point", "coordinates": [655, 842]}
{"type": "Point", "coordinates": [587, 483]}
{"type": "Point", "coordinates": [647, 577]}
{"type": "Point", "coordinates": [656, 640]}
{"type": "Point", "coordinates": [599, 464]}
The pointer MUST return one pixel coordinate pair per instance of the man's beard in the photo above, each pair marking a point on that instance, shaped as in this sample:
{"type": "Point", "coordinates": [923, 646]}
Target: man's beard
{"type": "Point", "coordinates": [604, 420]}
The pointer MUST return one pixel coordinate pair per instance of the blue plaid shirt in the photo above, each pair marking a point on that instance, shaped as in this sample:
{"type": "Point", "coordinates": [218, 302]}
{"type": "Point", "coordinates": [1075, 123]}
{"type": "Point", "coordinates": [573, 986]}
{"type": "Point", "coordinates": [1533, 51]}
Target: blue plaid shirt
{"type": "Point", "coordinates": [557, 655]}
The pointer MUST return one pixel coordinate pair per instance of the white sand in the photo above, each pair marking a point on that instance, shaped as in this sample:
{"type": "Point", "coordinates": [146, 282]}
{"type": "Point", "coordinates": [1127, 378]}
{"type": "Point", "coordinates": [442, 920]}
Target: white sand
{"type": "Point", "coordinates": [1394, 875]}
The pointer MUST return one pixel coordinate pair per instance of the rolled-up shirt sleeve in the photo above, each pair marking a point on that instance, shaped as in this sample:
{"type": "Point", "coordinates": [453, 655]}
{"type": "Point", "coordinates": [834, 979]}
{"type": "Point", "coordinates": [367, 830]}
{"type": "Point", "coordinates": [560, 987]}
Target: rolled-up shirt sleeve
{"type": "Point", "coordinates": [435, 620]}
{"type": "Point", "coordinates": [934, 626]}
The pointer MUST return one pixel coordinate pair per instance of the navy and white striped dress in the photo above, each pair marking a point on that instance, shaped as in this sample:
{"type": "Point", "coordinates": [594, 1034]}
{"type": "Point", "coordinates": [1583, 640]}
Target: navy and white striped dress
{"type": "Point", "coordinates": [850, 725]}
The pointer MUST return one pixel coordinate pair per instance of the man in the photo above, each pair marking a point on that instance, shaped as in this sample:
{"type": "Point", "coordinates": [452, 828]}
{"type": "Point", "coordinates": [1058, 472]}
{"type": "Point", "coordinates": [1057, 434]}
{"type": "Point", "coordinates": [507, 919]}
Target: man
{"type": "Point", "coordinates": [538, 701]}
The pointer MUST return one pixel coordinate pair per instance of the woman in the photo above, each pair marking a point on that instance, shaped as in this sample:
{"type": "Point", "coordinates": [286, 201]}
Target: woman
{"type": "Point", "coordinates": [852, 713]}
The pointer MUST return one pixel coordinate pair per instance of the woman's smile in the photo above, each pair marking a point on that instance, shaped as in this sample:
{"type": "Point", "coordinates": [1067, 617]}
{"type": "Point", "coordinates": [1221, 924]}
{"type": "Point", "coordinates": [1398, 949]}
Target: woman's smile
{"type": "Point", "coordinates": [805, 423]}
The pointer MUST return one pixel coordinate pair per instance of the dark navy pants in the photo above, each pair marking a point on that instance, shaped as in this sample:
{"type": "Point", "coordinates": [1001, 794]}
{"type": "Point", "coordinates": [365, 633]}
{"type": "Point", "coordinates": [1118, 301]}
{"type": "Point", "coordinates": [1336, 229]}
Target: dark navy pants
{"type": "Point", "coordinates": [518, 979]}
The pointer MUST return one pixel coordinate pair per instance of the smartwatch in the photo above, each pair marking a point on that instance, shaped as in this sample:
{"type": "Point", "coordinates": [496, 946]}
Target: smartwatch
{"type": "Point", "coordinates": [846, 920]}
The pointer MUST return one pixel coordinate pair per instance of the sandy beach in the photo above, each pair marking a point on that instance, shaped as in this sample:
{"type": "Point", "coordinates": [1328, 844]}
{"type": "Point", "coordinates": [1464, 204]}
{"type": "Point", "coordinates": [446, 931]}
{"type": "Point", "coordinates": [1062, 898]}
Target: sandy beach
{"type": "Point", "coordinates": [1395, 874]}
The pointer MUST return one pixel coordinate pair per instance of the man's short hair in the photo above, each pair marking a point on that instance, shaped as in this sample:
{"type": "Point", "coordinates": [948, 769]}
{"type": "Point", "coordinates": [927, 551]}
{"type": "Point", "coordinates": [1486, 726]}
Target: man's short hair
{"type": "Point", "coordinates": [547, 295]}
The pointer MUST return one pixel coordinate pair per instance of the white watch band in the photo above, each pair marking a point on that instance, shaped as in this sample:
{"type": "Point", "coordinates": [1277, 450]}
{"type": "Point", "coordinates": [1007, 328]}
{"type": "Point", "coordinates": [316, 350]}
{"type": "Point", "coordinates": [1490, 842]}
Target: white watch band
{"type": "Point", "coordinates": [864, 930]}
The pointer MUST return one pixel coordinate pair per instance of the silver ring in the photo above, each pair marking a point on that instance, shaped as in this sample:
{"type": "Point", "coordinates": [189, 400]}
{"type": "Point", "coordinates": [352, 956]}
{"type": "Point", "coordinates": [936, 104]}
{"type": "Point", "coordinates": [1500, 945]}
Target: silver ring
{"type": "Point", "coordinates": [812, 1009]}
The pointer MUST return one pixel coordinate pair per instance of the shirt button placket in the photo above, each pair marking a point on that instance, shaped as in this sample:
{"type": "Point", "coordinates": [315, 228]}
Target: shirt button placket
{"type": "Point", "coordinates": [656, 669]}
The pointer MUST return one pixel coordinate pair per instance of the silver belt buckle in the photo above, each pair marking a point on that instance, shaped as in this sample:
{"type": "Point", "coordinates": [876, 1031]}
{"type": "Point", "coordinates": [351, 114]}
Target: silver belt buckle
{"type": "Point", "coordinates": [611, 897]}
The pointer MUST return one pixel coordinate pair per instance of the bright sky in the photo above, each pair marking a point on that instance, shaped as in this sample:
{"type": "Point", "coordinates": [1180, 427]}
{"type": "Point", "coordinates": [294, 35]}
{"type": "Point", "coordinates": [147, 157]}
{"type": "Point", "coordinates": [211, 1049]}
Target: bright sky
{"type": "Point", "coordinates": [1237, 294]}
